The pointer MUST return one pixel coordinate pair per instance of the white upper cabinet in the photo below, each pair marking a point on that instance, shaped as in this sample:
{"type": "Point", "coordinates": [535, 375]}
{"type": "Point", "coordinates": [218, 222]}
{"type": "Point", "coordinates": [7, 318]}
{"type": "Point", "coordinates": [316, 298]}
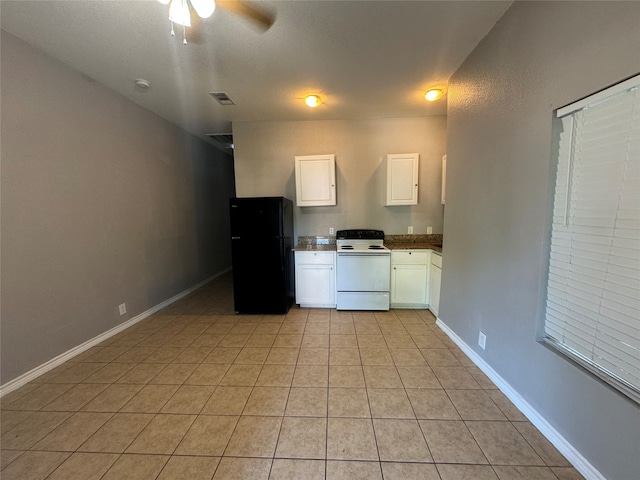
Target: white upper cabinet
{"type": "Point", "coordinates": [402, 179]}
{"type": "Point", "coordinates": [315, 180]}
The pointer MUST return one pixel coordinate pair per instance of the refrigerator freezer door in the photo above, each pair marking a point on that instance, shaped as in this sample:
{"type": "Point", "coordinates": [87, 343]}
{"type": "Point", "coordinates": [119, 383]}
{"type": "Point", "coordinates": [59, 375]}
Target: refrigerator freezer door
{"type": "Point", "coordinates": [256, 217]}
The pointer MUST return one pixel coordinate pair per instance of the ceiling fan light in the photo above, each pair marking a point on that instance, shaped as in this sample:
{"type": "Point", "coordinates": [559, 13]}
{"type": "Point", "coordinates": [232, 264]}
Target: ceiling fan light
{"type": "Point", "coordinates": [312, 100]}
{"type": "Point", "coordinates": [433, 94]}
{"type": "Point", "coordinates": [164, 2]}
{"type": "Point", "coordinates": [204, 8]}
{"type": "Point", "coordinates": [179, 13]}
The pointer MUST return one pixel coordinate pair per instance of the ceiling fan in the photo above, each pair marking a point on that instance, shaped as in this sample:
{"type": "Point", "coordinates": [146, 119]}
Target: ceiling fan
{"type": "Point", "coordinates": [180, 11]}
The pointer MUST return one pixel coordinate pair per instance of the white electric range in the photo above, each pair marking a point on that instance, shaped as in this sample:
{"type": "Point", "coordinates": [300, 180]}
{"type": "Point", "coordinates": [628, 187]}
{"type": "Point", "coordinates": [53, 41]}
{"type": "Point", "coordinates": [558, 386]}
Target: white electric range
{"type": "Point", "coordinates": [363, 270]}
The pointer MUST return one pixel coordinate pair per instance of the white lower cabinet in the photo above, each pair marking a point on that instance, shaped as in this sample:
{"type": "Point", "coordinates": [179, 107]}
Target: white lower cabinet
{"type": "Point", "coordinates": [415, 279]}
{"type": "Point", "coordinates": [410, 278]}
{"type": "Point", "coordinates": [436, 278]}
{"type": "Point", "coordinates": [316, 279]}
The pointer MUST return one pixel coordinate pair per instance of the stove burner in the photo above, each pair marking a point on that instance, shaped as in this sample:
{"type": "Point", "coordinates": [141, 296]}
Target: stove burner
{"type": "Point", "coordinates": [376, 247]}
{"type": "Point", "coordinates": [347, 247]}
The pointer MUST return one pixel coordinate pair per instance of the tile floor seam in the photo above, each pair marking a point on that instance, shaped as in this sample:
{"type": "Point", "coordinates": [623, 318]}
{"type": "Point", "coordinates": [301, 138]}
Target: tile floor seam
{"type": "Point", "coordinates": [275, 447]}
{"type": "Point", "coordinates": [375, 438]}
{"type": "Point", "coordinates": [487, 456]}
{"type": "Point", "coordinates": [120, 455]}
{"type": "Point", "coordinates": [533, 447]}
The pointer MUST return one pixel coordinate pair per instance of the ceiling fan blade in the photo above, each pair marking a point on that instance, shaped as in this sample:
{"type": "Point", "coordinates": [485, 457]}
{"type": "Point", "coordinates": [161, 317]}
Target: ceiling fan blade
{"type": "Point", "coordinates": [249, 10]}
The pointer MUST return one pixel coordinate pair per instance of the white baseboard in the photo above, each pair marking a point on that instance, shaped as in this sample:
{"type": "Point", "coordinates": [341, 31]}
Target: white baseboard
{"type": "Point", "coordinates": [60, 359]}
{"type": "Point", "coordinates": [580, 463]}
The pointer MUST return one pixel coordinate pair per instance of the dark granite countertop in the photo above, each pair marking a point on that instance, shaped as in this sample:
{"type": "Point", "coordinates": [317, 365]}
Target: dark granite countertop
{"type": "Point", "coordinates": [392, 242]}
{"type": "Point", "coordinates": [417, 242]}
{"type": "Point", "coordinates": [412, 246]}
{"type": "Point", "coordinates": [314, 248]}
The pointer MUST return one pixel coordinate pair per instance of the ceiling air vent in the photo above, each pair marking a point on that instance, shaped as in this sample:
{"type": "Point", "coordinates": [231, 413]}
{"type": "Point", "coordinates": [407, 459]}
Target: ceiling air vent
{"type": "Point", "coordinates": [222, 141]}
{"type": "Point", "coordinates": [222, 98]}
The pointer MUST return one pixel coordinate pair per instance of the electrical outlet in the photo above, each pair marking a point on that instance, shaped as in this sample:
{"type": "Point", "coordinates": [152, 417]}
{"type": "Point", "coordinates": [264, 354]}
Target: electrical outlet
{"type": "Point", "coordinates": [482, 340]}
{"type": "Point", "coordinates": [429, 230]}
{"type": "Point", "coordinates": [330, 230]}
{"type": "Point", "coordinates": [123, 308]}
{"type": "Point", "coordinates": [410, 229]}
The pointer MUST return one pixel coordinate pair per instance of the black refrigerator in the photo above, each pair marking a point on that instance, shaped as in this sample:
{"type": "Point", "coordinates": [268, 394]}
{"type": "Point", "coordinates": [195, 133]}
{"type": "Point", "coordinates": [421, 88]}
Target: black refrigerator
{"type": "Point", "coordinates": [261, 254]}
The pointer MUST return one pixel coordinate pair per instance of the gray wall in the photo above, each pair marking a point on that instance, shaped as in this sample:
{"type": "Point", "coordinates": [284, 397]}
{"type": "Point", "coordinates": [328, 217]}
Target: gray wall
{"type": "Point", "coordinates": [264, 166]}
{"type": "Point", "coordinates": [103, 202]}
{"type": "Point", "coordinates": [539, 57]}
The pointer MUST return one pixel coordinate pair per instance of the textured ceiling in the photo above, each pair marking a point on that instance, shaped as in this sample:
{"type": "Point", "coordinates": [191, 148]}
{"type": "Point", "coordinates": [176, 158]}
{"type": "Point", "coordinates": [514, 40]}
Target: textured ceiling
{"type": "Point", "coordinates": [365, 58]}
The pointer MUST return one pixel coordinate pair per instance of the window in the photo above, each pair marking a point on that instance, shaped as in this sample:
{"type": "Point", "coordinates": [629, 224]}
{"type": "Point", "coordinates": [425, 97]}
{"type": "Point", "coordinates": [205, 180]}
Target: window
{"type": "Point", "coordinates": [592, 309]}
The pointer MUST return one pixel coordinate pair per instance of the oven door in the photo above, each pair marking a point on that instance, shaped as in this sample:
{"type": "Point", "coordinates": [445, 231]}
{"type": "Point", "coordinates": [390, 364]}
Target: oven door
{"type": "Point", "coordinates": [362, 272]}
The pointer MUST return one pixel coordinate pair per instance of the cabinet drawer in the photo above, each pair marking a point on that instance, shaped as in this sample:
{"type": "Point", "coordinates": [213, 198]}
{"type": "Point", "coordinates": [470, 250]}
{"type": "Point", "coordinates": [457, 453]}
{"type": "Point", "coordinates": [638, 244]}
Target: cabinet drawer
{"type": "Point", "coordinates": [436, 259]}
{"type": "Point", "coordinates": [410, 257]}
{"type": "Point", "coordinates": [315, 258]}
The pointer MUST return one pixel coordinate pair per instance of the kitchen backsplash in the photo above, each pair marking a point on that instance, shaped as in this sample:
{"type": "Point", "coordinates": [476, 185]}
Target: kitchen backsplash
{"type": "Point", "coordinates": [434, 239]}
{"type": "Point", "coordinates": [317, 240]}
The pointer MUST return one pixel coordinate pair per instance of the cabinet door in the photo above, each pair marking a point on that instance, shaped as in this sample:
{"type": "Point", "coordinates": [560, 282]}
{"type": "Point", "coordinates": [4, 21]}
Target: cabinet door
{"type": "Point", "coordinates": [315, 285]}
{"type": "Point", "coordinates": [444, 179]}
{"type": "Point", "coordinates": [409, 284]}
{"type": "Point", "coordinates": [436, 278]}
{"type": "Point", "coordinates": [315, 180]}
{"type": "Point", "coordinates": [402, 179]}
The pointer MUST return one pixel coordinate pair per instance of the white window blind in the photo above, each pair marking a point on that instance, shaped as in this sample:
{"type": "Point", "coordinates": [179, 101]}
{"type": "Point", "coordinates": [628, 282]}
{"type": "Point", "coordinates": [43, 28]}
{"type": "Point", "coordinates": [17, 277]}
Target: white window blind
{"type": "Point", "coordinates": [593, 291]}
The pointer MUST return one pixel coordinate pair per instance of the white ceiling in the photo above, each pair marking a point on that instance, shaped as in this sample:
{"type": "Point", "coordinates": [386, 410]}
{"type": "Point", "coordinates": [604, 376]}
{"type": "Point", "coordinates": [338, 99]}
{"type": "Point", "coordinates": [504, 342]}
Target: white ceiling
{"type": "Point", "coordinates": [365, 58]}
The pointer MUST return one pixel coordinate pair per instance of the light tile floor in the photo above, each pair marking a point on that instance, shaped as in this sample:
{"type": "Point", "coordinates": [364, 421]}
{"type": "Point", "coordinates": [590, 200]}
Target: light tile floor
{"type": "Point", "coordinates": [197, 392]}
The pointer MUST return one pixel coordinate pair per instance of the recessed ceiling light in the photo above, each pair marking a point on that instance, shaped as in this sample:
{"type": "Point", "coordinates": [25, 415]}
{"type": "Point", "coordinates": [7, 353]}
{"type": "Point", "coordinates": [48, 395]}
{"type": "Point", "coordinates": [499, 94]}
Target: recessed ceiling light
{"type": "Point", "coordinates": [142, 83]}
{"type": "Point", "coordinates": [312, 100]}
{"type": "Point", "coordinates": [433, 94]}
